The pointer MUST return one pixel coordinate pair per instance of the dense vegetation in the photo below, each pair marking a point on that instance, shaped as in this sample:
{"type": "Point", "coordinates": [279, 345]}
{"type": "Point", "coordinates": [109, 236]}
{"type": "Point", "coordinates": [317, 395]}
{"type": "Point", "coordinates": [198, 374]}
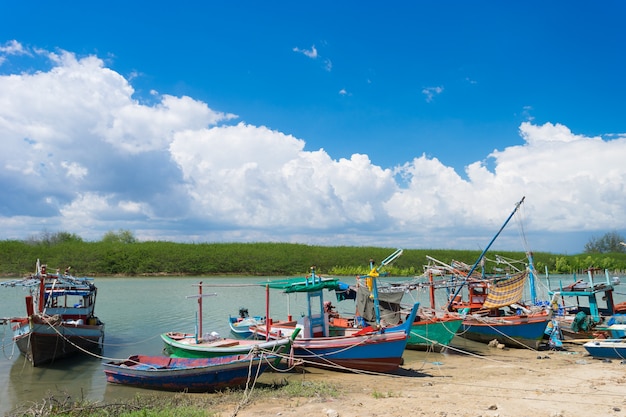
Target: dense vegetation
{"type": "Point", "coordinates": [129, 257]}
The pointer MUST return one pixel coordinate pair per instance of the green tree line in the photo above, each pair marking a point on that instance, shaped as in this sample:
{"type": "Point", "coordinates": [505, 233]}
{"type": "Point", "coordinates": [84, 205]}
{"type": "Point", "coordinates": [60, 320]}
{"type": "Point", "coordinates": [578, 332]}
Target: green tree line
{"type": "Point", "coordinates": [129, 257]}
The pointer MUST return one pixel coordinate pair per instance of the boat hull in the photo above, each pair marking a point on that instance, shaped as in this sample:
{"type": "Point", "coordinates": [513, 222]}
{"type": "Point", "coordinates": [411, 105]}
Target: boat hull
{"type": "Point", "coordinates": [433, 334]}
{"type": "Point", "coordinates": [183, 374]}
{"type": "Point", "coordinates": [241, 327]}
{"type": "Point", "coordinates": [607, 348]}
{"type": "Point", "coordinates": [376, 352]}
{"type": "Point", "coordinates": [46, 343]}
{"type": "Point", "coordinates": [179, 345]}
{"type": "Point", "coordinates": [511, 331]}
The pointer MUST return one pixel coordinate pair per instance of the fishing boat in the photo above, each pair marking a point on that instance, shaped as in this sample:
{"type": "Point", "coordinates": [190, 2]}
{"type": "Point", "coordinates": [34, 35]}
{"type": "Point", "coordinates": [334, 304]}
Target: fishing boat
{"type": "Point", "coordinates": [60, 320]}
{"type": "Point", "coordinates": [585, 308]}
{"type": "Point", "coordinates": [431, 330]}
{"type": "Point", "coordinates": [240, 325]}
{"type": "Point", "coordinates": [368, 349]}
{"type": "Point", "coordinates": [188, 345]}
{"type": "Point", "coordinates": [494, 304]}
{"type": "Point", "coordinates": [496, 313]}
{"type": "Point", "coordinates": [209, 345]}
{"type": "Point", "coordinates": [606, 348]}
{"type": "Point", "coordinates": [184, 374]}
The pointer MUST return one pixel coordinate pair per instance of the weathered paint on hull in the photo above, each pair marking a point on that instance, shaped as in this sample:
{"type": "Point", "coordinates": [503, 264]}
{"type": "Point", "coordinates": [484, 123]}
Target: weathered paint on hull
{"type": "Point", "coordinates": [198, 378]}
{"type": "Point", "coordinates": [177, 349]}
{"type": "Point", "coordinates": [518, 333]}
{"type": "Point", "coordinates": [433, 334]}
{"type": "Point", "coordinates": [45, 344]}
{"type": "Point", "coordinates": [375, 352]}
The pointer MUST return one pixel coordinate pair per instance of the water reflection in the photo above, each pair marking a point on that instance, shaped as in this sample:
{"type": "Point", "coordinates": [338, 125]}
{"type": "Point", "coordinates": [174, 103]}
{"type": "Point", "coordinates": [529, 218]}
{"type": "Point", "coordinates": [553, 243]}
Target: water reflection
{"type": "Point", "coordinates": [74, 378]}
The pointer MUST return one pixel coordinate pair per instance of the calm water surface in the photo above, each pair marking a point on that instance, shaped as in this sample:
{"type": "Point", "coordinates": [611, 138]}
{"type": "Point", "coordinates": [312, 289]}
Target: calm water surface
{"type": "Point", "coordinates": [136, 311]}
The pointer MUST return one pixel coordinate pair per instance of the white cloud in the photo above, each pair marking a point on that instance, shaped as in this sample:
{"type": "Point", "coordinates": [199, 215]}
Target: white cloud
{"type": "Point", "coordinates": [311, 53]}
{"type": "Point", "coordinates": [81, 154]}
{"type": "Point", "coordinates": [13, 47]}
{"type": "Point", "coordinates": [431, 92]}
{"type": "Point", "coordinates": [74, 170]}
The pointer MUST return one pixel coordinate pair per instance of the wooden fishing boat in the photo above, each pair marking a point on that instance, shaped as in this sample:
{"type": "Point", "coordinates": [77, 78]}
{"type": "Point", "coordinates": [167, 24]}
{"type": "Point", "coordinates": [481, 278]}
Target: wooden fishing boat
{"type": "Point", "coordinates": [184, 374]}
{"type": "Point", "coordinates": [494, 302]}
{"type": "Point", "coordinates": [369, 349]}
{"type": "Point", "coordinates": [431, 330]}
{"type": "Point", "coordinates": [60, 321]}
{"type": "Point", "coordinates": [199, 345]}
{"type": "Point", "coordinates": [380, 305]}
{"type": "Point", "coordinates": [435, 332]}
{"type": "Point", "coordinates": [493, 316]}
{"type": "Point", "coordinates": [187, 345]}
{"type": "Point", "coordinates": [517, 331]}
{"type": "Point", "coordinates": [585, 308]}
{"type": "Point", "coordinates": [606, 348]}
{"type": "Point", "coordinates": [240, 325]}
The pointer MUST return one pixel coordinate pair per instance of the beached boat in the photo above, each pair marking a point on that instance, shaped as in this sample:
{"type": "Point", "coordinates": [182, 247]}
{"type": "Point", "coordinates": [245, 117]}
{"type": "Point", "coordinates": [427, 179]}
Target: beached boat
{"type": "Point", "coordinates": [494, 304]}
{"type": "Point", "coordinates": [380, 305]}
{"type": "Point", "coordinates": [209, 345]}
{"type": "Point", "coordinates": [585, 308]}
{"type": "Point", "coordinates": [606, 348]}
{"type": "Point", "coordinates": [240, 325]}
{"type": "Point", "coordinates": [369, 349]}
{"type": "Point", "coordinates": [60, 321]}
{"type": "Point", "coordinates": [496, 313]}
{"type": "Point", "coordinates": [184, 374]}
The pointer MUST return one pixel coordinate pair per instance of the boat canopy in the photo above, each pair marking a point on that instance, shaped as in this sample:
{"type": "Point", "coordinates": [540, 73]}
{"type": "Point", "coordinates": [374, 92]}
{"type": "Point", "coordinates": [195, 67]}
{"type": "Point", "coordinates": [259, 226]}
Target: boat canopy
{"type": "Point", "coordinates": [303, 284]}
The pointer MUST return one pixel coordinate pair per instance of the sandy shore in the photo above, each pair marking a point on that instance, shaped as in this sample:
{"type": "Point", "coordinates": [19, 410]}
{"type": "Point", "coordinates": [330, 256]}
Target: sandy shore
{"type": "Point", "coordinates": [489, 383]}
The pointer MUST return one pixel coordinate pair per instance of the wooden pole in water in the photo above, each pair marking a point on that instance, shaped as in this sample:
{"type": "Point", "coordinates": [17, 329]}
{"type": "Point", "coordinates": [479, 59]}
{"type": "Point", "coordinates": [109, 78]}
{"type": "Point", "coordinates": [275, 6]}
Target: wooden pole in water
{"type": "Point", "coordinates": [200, 296]}
{"type": "Point", "coordinates": [268, 320]}
{"type": "Point", "coordinates": [432, 289]}
{"type": "Point", "coordinates": [199, 335]}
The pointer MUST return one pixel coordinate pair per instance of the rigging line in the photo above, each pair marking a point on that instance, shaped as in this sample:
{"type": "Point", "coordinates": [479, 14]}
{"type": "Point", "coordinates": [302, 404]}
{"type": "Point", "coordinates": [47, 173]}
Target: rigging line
{"type": "Point", "coordinates": [313, 355]}
{"type": "Point", "coordinates": [12, 355]}
{"type": "Point", "coordinates": [520, 220]}
{"type": "Point", "coordinates": [81, 349]}
{"type": "Point", "coordinates": [131, 343]}
{"type": "Point", "coordinates": [481, 319]}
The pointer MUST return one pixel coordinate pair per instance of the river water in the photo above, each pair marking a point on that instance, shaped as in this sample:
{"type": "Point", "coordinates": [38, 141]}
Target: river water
{"type": "Point", "coordinates": [136, 311]}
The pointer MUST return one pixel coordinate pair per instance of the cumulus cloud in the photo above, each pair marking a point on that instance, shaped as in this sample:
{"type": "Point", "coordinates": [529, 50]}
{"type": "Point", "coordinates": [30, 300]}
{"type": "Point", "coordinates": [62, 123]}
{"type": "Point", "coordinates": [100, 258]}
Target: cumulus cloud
{"type": "Point", "coordinates": [81, 154]}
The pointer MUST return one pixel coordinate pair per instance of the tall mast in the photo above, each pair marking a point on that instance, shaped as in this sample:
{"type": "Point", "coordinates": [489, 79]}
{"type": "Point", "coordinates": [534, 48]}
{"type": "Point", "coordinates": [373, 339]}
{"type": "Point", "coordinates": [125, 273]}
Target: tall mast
{"type": "Point", "coordinates": [483, 253]}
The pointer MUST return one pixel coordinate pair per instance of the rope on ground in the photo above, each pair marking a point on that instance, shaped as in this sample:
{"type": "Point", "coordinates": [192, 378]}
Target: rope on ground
{"type": "Point", "coordinates": [249, 389]}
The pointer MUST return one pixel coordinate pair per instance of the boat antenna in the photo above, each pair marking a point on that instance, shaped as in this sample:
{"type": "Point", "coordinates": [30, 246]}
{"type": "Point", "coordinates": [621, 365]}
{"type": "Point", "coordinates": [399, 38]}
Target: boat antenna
{"type": "Point", "coordinates": [483, 253]}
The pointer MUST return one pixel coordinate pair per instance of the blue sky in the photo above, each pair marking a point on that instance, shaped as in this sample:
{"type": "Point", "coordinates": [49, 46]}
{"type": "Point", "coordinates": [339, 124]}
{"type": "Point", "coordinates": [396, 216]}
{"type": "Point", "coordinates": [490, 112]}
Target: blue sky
{"type": "Point", "coordinates": [411, 124]}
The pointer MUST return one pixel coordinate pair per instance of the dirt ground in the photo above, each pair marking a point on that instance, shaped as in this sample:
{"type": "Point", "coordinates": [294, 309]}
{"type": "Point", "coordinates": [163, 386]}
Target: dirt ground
{"type": "Point", "coordinates": [491, 383]}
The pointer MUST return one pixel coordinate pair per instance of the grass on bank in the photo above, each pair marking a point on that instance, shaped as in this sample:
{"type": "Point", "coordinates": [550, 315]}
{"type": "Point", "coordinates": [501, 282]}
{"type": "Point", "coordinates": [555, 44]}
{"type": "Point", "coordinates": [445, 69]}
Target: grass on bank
{"type": "Point", "coordinates": [176, 405]}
